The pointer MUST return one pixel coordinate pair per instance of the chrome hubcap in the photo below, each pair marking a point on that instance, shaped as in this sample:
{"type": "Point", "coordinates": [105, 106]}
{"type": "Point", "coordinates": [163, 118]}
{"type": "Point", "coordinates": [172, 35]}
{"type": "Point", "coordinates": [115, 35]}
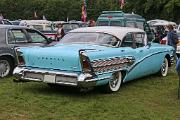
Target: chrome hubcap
{"type": "Point", "coordinates": [114, 81]}
{"type": "Point", "coordinates": [4, 68]}
{"type": "Point", "coordinates": [163, 69]}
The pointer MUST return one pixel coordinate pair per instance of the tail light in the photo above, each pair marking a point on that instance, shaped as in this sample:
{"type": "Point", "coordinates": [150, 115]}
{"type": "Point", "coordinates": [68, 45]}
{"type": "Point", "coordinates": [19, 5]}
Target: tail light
{"type": "Point", "coordinates": [19, 56]}
{"type": "Point", "coordinates": [163, 42]}
{"type": "Point", "coordinates": [178, 44]}
{"type": "Point", "coordinates": [85, 63]}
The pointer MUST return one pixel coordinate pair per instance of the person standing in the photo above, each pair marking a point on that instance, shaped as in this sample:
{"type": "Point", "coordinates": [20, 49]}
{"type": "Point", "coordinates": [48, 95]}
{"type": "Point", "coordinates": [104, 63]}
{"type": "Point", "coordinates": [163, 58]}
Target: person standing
{"type": "Point", "coordinates": [172, 38]}
{"type": "Point", "coordinates": [60, 32]}
{"type": "Point", "coordinates": [1, 18]}
{"type": "Point", "coordinates": [92, 23]}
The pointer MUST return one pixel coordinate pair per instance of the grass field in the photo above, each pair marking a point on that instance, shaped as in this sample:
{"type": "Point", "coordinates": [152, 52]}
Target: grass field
{"type": "Point", "coordinates": [149, 98]}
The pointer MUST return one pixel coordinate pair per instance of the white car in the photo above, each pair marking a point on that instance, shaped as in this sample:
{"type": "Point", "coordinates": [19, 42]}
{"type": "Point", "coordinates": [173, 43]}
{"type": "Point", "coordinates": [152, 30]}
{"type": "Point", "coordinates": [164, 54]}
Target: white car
{"type": "Point", "coordinates": [178, 45]}
{"type": "Point", "coordinates": [44, 26]}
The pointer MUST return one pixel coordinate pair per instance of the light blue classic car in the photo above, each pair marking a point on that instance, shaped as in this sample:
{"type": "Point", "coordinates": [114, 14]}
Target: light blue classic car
{"type": "Point", "coordinates": [95, 56]}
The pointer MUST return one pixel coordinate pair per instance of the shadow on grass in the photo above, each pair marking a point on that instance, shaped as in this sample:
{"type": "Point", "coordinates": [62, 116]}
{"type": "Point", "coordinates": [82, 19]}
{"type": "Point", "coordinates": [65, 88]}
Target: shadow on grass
{"type": "Point", "coordinates": [43, 88]}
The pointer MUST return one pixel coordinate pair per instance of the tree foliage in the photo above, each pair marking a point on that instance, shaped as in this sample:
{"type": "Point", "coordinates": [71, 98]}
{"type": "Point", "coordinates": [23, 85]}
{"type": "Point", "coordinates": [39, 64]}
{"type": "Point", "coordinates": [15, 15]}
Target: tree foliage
{"type": "Point", "coordinates": [71, 9]}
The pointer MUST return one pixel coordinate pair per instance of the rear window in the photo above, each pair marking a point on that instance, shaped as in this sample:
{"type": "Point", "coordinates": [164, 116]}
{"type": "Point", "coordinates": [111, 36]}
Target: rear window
{"type": "Point", "coordinates": [115, 23]}
{"type": "Point", "coordinates": [90, 38]}
{"type": "Point", "coordinates": [130, 24]}
{"type": "Point", "coordinates": [103, 23]}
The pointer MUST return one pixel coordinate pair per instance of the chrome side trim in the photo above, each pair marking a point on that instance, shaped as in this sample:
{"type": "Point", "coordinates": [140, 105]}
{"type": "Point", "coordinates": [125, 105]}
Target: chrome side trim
{"type": "Point", "coordinates": [97, 79]}
{"type": "Point", "coordinates": [111, 64]}
{"type": "Point", "coordinates": [146, 57]}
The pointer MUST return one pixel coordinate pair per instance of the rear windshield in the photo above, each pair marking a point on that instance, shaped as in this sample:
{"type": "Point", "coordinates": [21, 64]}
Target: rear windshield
{"type": "Point", "coordinates": [115, 23]}
{"type": "Point", "coordinates": [103, 23]}
{"type": "Point", "coordinates": [90, 38]}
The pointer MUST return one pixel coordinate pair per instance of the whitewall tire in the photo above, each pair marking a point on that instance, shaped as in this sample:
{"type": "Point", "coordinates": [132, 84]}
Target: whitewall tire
{"type": "Point", "coordinates": [115, 83]}
{"type": "Point", "coordinates": [164, 68]}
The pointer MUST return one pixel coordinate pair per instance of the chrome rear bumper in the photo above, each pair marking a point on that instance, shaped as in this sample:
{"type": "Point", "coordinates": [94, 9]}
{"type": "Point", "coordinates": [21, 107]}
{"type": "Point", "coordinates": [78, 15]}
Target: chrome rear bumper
{"type": "Point", "coordinates": [56, 77]}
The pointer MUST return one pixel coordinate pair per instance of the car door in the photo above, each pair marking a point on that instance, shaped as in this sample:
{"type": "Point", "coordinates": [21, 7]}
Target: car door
{"type": "Point", "coordinates": [15, 37]}
{"type": "Point", "coordinates": [141, 53]}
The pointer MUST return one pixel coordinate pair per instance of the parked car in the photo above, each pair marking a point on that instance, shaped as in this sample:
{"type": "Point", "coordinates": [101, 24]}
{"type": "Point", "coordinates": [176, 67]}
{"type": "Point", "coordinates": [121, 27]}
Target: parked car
{"type": "Point", "coordinates": [5, 22]}
{"type": "Point", "coordinates": [44, 26]}
{"type": "Point", "coordinates": [165, 39]}
{"type": "Point", "coordinates": [119, 18]}
{"type": "Point", "coordinates": [160, 29]}
{"type": "Point", "coordinates": [13, 36]}
{"type": "Point", "coordinates": [158, 22]}
{"type": "Point", "coordinates": [95, 56]}
{"type": "Point", "coordinates": [67, 26]}
{"type": "Point", "coordinates": [16, 22]}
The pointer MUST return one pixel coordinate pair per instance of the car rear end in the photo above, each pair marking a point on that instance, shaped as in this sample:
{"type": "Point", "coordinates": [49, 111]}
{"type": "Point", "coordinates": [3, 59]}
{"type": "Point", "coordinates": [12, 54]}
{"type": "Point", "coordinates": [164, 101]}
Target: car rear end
{"type": "Point", "coordinates": [72, 68]}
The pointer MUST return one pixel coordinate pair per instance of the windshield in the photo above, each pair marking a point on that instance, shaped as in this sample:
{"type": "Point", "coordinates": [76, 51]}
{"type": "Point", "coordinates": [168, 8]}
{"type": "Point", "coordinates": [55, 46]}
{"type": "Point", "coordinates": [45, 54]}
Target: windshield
{"type": "Point", "coordinates": [90, 38]}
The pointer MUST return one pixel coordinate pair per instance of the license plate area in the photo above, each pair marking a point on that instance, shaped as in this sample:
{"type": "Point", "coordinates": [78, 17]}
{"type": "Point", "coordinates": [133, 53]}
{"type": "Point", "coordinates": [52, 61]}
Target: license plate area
{"type": "Point", "coordinates": [50, 78]}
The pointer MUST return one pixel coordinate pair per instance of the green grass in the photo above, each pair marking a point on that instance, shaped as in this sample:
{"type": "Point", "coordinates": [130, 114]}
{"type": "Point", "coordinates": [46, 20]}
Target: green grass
{"type": "Point", "coordinates": [149, 98]}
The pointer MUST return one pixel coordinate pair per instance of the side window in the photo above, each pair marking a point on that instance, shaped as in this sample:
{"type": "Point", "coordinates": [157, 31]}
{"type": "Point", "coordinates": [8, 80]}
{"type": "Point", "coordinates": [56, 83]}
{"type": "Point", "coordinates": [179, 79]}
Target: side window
{"type": "Point", "coordinates": [127, 41]}
{"type": "Point", "coordinates": [107, 40]}
{"type": "Point", "coordinates": [139, 39]}
{"type": "Point", "coordinates": [35, 36]}
{"type": "Point", "coordinates": [16, 36]}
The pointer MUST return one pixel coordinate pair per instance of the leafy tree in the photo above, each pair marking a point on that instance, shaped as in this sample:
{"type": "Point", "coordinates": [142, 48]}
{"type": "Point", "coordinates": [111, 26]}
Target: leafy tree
{"type": "Point", "coordinates": [71, 9]}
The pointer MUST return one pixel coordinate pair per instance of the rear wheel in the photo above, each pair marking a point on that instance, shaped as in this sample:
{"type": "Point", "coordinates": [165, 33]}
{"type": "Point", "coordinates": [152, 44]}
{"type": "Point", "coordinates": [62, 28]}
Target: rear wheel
{"type": "Point", "coordinates": [6, 67]}
{"type": "Point", "coordinates": [164, 68]}
{"type": "Point", "coordinates": [115, 83]}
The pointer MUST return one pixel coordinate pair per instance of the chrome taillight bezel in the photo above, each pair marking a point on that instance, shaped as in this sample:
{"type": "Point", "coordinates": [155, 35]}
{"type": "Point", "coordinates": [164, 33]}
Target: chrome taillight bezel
{"type": "Point", "coordinates": [19, 57]}
{"type": "Point", "coordinates": [85, 62]}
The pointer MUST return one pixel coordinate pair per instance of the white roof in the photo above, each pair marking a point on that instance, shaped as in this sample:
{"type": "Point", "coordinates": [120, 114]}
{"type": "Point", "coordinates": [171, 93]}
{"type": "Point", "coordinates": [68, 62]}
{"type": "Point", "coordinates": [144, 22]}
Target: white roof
{"type": "Point", "coordinates": [156, 20]}
{"type": "Point", "coordinates": [119, 32]}
{"type": "Point", "coordinates": [164, 23]}
{"type": "Point", "coordinates": [34, 22]}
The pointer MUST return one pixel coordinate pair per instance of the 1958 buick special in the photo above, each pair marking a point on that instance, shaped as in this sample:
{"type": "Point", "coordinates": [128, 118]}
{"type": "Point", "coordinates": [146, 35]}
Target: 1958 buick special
{"type": "Point", "coordinates": [94, 56]}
